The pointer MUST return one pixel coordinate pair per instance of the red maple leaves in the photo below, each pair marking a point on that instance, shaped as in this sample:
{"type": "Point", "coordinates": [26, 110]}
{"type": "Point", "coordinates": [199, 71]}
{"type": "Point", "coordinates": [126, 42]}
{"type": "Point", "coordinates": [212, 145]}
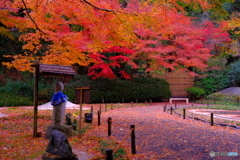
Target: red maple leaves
{"type": "Point", "coordinates": [115, 57]}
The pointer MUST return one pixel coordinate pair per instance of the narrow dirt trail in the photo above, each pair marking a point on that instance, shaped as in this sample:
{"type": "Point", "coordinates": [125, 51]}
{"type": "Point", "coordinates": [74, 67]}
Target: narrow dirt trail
{"type": "Point", "coordinates": [165, 136]}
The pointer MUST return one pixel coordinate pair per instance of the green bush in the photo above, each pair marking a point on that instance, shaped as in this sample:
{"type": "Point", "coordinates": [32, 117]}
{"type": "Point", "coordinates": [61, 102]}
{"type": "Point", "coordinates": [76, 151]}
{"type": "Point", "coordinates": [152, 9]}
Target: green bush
{"type": "Point", "coordinates": [25, 90]}
{"type": "Point", "coordinates": [14, 100]}
{"type": "Point", "coordinates": [195, 92]}
{"type": "Point", "coordinates": [70, 92]}
{"type": "Point", "coordinates": [213, 82]}
{"type": "Point", "coordinates": [45, 94]}
{"type": "Point", "coordinates": [115, 90]}
{"type": "Point", "coordinates": [234, 72]}
{"type": "Point", "coordinates": [18, 93]}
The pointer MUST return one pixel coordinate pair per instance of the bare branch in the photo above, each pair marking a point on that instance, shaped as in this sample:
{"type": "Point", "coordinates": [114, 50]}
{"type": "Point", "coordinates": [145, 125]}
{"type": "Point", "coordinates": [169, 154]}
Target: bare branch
{"type": "Point", "coordinates": [25, 6]}
{"type": "Point", "coordinates": [102, 9]}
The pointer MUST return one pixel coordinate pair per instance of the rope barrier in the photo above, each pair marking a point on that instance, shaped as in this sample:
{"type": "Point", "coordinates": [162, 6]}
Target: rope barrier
{"type": "Point", "coordinates": [116, 124]}
{"type": "Point", "coordinates": [124, 139]}
{"type": "Point", "coordinates": [99, 158]}
{"type": "Point", "coordinates": [218, 117]}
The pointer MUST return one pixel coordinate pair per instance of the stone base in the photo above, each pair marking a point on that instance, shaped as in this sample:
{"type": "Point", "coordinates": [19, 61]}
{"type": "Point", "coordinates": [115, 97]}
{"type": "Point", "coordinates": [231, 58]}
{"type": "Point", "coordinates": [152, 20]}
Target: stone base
{"type": "Point", "coordinates": [48, 156]}
{"type": "Point", "coordinates": [66, 129]}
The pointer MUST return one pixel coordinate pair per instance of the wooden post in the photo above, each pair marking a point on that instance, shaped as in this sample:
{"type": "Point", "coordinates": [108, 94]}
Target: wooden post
{"type": "Point", "coordinates": [184, 113]}
{"type": "Point", "coordinates": [109, 126]}
{"type": "Point", "coordinates": [171, 110]}
{"type": "Point", "coordinates": [164, 108]}
{"type": "Point", "coordinates": [99, 117]}
{"type": "Point", "coordinates": [133, 145]}
{"type": "Point", "coordinates": [175, 105]}
{"type": "Point", "coordinates": [80, 115]}
{"type": "Point", "coordinates": [35, 112]}
{"type": "Point", "coordinates": [92, 109]}
{"type": "Point", "coordinates": [212, 122]}
{"type": "Point", "coordinates": [109, 154]}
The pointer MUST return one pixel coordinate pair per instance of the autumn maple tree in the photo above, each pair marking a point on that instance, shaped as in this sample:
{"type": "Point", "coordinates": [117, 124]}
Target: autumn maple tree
{"type": "Point", "coordinates": [181, 43]}
{"type": "Point", "coordinates": [81, 31]}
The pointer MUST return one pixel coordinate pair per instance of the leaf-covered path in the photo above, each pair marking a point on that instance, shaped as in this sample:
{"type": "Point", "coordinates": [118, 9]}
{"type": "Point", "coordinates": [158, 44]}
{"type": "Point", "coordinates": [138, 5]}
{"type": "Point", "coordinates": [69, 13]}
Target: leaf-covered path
{"type": "Point", "coordinates": [160, 135]}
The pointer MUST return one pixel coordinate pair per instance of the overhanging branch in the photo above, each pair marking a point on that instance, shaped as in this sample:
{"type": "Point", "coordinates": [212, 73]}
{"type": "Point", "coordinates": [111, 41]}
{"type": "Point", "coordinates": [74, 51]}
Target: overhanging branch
{"type": "Point", "coordinates": [27, 11]}
{"type": "Point", "coordinates": [102, 9]}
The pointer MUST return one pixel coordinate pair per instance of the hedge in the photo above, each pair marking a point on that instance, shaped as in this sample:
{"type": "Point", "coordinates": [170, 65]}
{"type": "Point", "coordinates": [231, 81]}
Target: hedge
{"type": "Point", "coordinates": [114, 90]}
{"type": "Point", "coordinates": [14, 100]}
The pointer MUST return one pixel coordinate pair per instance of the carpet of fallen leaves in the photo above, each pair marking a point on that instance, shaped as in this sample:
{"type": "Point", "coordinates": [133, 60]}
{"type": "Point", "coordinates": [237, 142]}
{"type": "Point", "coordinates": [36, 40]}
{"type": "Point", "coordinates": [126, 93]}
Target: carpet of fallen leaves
{"type": "Point", "coordinates": [159, 135]}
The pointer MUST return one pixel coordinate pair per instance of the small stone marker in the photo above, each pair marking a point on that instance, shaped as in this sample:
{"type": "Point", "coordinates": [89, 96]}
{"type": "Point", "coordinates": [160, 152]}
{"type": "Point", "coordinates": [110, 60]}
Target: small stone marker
{"type": "Point", "coordinates": [68, 119]}
{"type": "Point", "coordinates": [59, 147]}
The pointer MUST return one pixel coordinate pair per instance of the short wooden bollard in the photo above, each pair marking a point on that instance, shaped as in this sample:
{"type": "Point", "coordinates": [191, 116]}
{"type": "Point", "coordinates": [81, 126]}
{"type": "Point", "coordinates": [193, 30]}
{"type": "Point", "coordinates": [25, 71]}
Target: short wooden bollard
{"type": "Point", "coordinates": [184, 113]}
{"type": "Point", "coordinates": [99, 117]}
{"type": "Point", "coordinates": [171, 110]}
{"type": "Point", "coordinates": [133, 144]}
{"type": "Point", "coordinates": [212, 122]}
{"type": "Point", "coordinates": [164, 108]}
{"type": "Point", "coordinates": [92, 109]}
{"type": "Point", "coordinates": [109, 154]}
{"type": "Point", "coordinates": [109, 126]}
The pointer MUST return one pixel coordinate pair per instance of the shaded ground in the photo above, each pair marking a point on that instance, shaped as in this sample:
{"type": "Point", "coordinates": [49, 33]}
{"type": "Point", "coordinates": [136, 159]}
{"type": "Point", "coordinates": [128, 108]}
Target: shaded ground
{"type": "Point", "coordinates": [164, 136]}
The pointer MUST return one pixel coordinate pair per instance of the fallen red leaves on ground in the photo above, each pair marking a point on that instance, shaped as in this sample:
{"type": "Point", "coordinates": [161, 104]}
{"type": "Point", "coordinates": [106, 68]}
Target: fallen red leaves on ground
{"type": "Point", "coordinates": [159, 135]}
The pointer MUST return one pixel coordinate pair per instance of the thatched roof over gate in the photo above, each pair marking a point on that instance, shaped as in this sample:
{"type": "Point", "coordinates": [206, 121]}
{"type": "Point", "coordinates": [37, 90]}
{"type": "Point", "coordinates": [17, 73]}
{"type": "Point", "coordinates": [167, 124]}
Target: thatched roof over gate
{"type": "Point", "coordinates": [56, 69]}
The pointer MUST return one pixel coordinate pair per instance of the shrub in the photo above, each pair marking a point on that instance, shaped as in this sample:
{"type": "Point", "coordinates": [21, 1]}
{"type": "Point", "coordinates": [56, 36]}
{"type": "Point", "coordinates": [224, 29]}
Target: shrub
{"type": "Point", "coordinates": [14, 100]}
{"type": "Point", "coordinates": [234, 72]}
{"type": "Point", "coordinates": [45, 94]}
{"type": "Point", "coordinates": [195, 92]}
{"type": "Point", "coordinates": [25, 91]}
{"type": "Point", "coordinates": [115, 90]}
{"type": "Point", "coordinates": [214, 81]}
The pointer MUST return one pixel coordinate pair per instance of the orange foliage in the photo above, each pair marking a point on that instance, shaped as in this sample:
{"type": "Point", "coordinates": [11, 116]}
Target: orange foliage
{"type": "Point", "coordinates": [68, 32]}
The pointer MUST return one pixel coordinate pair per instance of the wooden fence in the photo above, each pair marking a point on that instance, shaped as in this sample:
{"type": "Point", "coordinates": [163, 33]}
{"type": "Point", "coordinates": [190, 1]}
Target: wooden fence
{"type": "Point", "coordinates": [178, 82]}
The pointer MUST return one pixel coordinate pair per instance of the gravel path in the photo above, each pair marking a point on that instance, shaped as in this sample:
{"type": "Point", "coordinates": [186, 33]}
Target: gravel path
{"type": "Point", "coordinates": [170, 137]}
